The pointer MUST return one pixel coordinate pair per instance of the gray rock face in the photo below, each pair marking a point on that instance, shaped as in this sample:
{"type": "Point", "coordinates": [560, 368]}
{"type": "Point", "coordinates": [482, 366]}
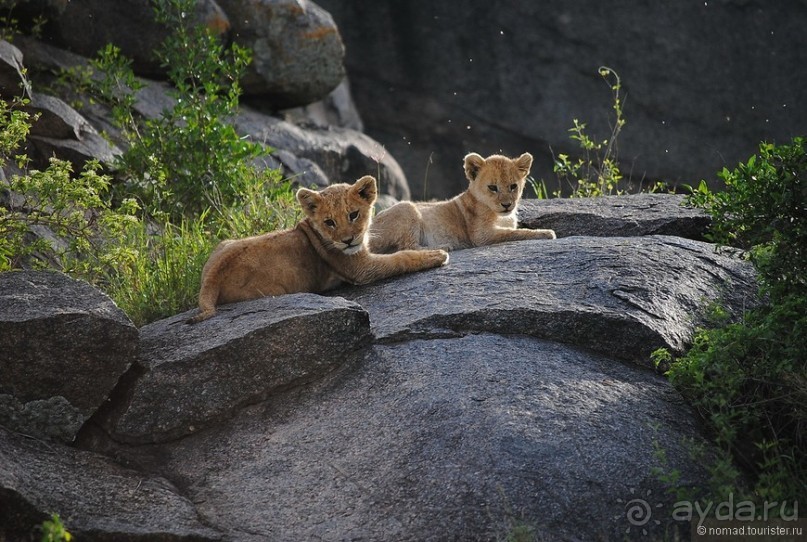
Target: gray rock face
{"type": "Point", "coordinates": [620, 296]}
{"type": "Point", "coordinates": [87, 26]}
{"type": "Point", "coordinates": [97, 499]}
{"type": "Point", "coordinates": [704, 82]}
{"type": "Point", "coordinates": [12, 81]}
{"type": "Point", "coordinates": [343, 155]}
{"type": "Point", "coordinates": [64, 345]}
{"type": "Point", "coordinates": [616, 216]}
{"type": "Point", "coordinates": [309, 154]}
{"type": "Point", "coordinates": [205, 372]}
{"type": "Point", "coordinates": [446, 439]}
{"type": "Point", "coordinates": [509, 389]}
{"type": "Point", "coordinates": [297, 50]}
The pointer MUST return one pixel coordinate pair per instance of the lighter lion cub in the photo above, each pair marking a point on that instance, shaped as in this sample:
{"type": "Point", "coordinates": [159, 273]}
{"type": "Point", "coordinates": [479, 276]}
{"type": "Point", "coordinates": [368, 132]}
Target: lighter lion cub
{"type": "Point", "coordinates": [482, 215]}
{"type": "Point", "coordinates": [327, 248]}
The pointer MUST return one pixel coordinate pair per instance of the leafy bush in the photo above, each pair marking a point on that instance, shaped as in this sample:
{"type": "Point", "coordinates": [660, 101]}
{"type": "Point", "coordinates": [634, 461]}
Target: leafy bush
{"type": "Point", "coordinates": [748, 379]}
{"type": "Point", "coordinates": [189, 158]}
{"type": "Point", "coordinates": [764, 210]}
{"type": "Point", "coordinates": [190, 171]}
{"type": "Point", "coordinates": [72, 208]}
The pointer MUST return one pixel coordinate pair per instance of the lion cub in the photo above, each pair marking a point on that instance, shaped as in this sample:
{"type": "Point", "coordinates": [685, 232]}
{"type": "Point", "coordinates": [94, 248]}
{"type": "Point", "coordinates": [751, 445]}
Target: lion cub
{"type": "Point", "coordinates": [284, 262]}
{"type": "Point", "coordinates": [482, 215]}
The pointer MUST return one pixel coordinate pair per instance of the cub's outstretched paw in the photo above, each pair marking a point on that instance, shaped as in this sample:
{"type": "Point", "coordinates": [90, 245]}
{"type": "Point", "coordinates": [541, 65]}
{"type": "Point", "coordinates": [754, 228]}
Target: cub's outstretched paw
{"type": "Point", "coordinates": [545, 234]}
{"type": "Point", "coordinates": [437, 257]}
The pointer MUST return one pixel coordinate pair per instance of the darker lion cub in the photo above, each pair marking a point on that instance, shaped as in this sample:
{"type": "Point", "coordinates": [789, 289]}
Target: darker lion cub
{"type": "Point", "coordinates": [482, 215]}
{"type": "Point", "coordinates": [328, 247]}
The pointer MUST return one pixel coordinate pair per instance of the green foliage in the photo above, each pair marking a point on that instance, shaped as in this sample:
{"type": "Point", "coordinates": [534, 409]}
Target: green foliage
{"type": "Point", "coordinates": [764, 209]}
{"type": "Point", "coordinates": [10, 26]}
{"type": "Point", "coordinates": [189, 158]}
{"type": "Point", "coordinates": [188, 181]}
{"type": "Point", "coordinates": [748, 379]}
{"type": "Point", "coordinates": [54, 531]}
{"type": "Point", "coordinates": [597, 172]}
{"type": "Point", "coordinates": [74, 208]}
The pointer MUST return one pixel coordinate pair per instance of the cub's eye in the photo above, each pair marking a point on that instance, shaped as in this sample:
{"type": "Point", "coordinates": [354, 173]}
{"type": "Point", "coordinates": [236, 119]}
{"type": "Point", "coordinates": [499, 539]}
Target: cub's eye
{"type": "Point", "coordinates": [493, 188]}
{"type": "Point", "coordinates": [353, 216]}
{"type": "Point", "coordinates": [513, 187]}
{"type": "Point", "coordinates": [330, 223]}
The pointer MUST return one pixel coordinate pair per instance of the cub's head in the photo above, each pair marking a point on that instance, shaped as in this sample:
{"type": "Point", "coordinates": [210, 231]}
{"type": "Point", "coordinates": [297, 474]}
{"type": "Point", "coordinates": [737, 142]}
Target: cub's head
{"type": "Point", "coordinates": [497, 181]}
{"type": "Point", "coordinates": [341, 213]}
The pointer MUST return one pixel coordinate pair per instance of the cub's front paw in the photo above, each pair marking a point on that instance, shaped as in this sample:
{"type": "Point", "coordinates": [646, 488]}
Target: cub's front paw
{"type": "Point", "coordinates": [437, 257]}
{"type": "Point", "coordinates": [545, 234]}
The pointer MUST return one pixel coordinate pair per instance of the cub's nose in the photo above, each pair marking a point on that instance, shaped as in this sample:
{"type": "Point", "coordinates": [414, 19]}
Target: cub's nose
{"type": "Point", "coordinates": [506, 205]}
{"type": "Point", "coordinates": [348, 241]}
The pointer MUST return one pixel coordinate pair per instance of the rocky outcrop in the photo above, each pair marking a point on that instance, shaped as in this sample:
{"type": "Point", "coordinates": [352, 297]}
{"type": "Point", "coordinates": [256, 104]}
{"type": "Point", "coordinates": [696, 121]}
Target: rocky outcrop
{"type": "Point", "coordinates": [297, 50]}
{"type": "Point", "coordinates": [298, 55]}
{"type": "Point", "coordinates": [620, 296]}
{"type": "Point", "coordinates": [204, 373]}
{"type": "Point", "coordinates": [703, 82]}
{"type": "Point", "coordinates": [98, 499]}
{"type": "Point", "coordinates": [307, 153]}
{"type": "Point", "coordinates": [87, 26]}
{"type": "Point", "coordinates": [509, 389]}
{"type": "Point", "coordinates": [616, 216]}
{"type": "Point", "coordinates": [64, 346]}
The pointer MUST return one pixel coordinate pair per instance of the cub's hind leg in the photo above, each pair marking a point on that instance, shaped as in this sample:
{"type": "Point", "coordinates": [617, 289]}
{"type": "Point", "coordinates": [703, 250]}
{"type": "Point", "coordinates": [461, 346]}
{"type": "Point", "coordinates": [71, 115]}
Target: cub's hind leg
{"type": "Point", "coordinates": [397, 228]}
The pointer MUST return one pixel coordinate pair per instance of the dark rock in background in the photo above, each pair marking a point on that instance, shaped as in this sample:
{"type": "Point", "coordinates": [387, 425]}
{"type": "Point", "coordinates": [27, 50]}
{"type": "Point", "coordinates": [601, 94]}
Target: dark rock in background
{"type": "Point", "coordinates": [704, 82]}
{"type": "Point", "coordinates": [298, 55]}
{"type": "Point", "coordinates": [63, 345]}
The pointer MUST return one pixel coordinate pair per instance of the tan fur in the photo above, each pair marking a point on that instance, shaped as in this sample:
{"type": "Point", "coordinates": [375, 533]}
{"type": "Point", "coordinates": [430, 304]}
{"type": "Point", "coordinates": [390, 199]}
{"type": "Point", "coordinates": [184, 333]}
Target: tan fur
{"type": "Point", "coordinates": [479, 216]}
{"type": "Point", "coordinates": [325, 249]}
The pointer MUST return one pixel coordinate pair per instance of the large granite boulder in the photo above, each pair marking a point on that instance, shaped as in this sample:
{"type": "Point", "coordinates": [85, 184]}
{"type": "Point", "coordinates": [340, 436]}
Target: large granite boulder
{"type": "Point", "coordinates": [509, 391]}
{"type": "Point", "coordinates": [97, 499]}
{"type": "Point", "coordinates": [87, 26]}
{"type": "Point", "coordinates": [465, 438]}
{"type": "Point", "coordinates": [203, 373]}
{"type": "Point", "coordinates": [703, 82]}
{"type": "Point", "coordinates": [298, 55]}
{"type": "Point", "coordinates": [297, 51]}
{"type": "Point", "coordinates": [620, 296]}
{"type": "Point", "coordinates": [616, 216]}
{"type": "Point", "coordinates": [64, 346]}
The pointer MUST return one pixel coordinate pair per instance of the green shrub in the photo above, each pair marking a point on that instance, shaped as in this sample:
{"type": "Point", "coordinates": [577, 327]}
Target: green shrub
{"type": "Point", "coordinates": [74, 208]}
{"type": "Point", "coordinates": [188, 158]}
{"type": "Point", "coordinates": [748, 379]}
{"type": "Point", "coordinates": [764, 209]}
{"type": "Point", "coordinates": [189, 170]}
{"type": "Point", "coordinates": [53, 530]}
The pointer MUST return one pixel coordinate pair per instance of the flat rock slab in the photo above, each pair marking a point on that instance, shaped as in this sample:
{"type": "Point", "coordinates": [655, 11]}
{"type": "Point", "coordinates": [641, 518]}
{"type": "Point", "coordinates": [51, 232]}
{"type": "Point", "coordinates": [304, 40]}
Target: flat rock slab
{"type": "Point", "coordinates": [444, 439]}
{"type": "Point", "coordinates": [96, 499]}
{"type": "Point", "coordinates": [63, 347]}
{"type": "Point", "coordinates": [616, 216]}
{"type": "Point", "coordinates": [199, 374]}
{"type": "Point", "coordinates": [621, 296]}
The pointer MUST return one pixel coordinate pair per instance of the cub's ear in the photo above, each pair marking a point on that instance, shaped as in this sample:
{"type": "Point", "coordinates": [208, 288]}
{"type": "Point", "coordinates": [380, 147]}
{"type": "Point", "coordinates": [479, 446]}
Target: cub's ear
{"type": "Point", "coordinates": [309, 200]}
{"type": "Point", "coordinates": [473, 163]}
{"type": "Point", "coordinates": [366, 189]}
{"type": "Point", "coordinates": [524, 163]}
